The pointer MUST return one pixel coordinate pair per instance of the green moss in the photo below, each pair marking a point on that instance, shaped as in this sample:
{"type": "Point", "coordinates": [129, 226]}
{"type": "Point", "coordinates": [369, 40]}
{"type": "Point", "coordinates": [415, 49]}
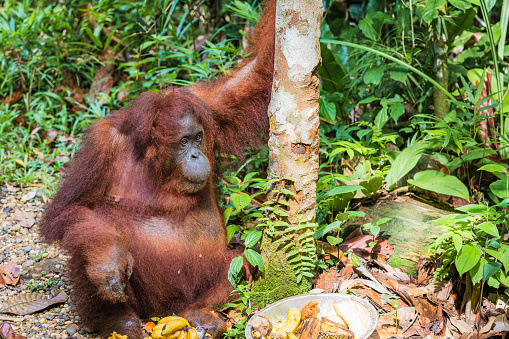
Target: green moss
{"type": "Point", "coordinates": [278, 281]}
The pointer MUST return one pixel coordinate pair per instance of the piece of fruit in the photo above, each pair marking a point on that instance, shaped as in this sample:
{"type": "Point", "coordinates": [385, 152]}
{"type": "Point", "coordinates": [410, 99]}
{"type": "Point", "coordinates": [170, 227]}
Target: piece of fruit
{"type": "Point", "coordinates": [157, 334]}
{"type": "Point", "coordinates": [183, 334]}
{"type": "Point", "coordinates": [291, 323]}
{"type": "Point", "coordinates": [331, 329]}
{"type": "Point", "coordinates": [256, 334]}
{"type": "Point", "coordinates": [171, 318]}
{"type": "Point", "coordinates": [308, 329]}
{"type": "Point", "coordinates": [173, 325]}
{"type": "Point", "coordinates": [192, 333]}
{"type": "Point", "coordinates": [310, 310]}
{"type": "Point", "coordinates": [261, 324]}
{"type": "Point", "coordinates": [336, 308]}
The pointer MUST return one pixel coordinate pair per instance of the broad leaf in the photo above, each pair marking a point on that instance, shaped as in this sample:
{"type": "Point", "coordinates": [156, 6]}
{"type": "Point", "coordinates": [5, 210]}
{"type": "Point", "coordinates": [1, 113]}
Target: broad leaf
{"type": "Point", "coordinates": [240, 200]}
{"type": "Point", "coordinates": [235, 270]}
{"type": "Point", "coordinates": [489, 228]}
{"type": "Point", "coordinates": [372, 185]}
{"type": "Point", "coordinates": [493, 168]}
{"type": "Point", "coordinates": [252, 238]}
{"type": "Point", "coordinates": [500, 188]}
{"type": "Point", "coordinates": [404, 163]}
{"type": "Point", "coordinates": [468, 256]}
{"type": "Point", "coordinates": [490, 269]}
{"type": "Point", "coordinates": [439, 182]}
{"type": "Point", "coordinates": [338, 190]}
{"type": "Point", "coordinates": [254, 258]}
{"type": "Point", "coordinates": [328, 228]}
{"type": "Point", "coordinates": [28, 303]}
{"type": "Point", "coordinates": [374, 75]}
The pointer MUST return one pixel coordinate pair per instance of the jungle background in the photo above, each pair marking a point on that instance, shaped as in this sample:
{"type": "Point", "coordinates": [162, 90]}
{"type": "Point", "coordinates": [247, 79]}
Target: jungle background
{"type": "Point", "coordinates": [414, 104]}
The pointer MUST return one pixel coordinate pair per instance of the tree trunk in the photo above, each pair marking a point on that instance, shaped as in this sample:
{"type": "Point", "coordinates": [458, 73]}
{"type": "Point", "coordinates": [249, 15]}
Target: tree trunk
{"type": "Point", "coordinates": [288, 246]}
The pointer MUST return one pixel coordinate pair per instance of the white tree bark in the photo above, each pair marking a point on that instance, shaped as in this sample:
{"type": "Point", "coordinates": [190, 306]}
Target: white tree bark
{"type": "Point", "coordinates": [293, 111]}
{"type": "Point", "coordinates": [290, 257]}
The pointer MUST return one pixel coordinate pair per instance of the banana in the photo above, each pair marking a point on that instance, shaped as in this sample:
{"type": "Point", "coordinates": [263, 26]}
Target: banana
{"type": "Point", "coordinates": [174, 335]}
{"type": "Point", "coordinates": [171, 318]}
{"type": "Point", "coordinates": [336, 308]}
{"type": "Point", "coordinates": [183, 334]}
{"type": "Point", "coordinates": [157, 334]}
{"type": "Point", "coordinates": [192, 333]}
{"type": "Point", "coordinates": [291, 323]}
{"type": "Point", "coordinates": [173, 326]}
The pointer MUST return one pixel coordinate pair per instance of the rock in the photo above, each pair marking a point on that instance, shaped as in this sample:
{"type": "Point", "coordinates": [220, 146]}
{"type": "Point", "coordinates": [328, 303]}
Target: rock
{"type": "Point", "coordinates": [71, 330]}
{"type": "Point", "coordinates": [26, 248]}
{"type": "Point", "coordinates": [49, 316]}
{"type": "Point", "coordinates": [28, 263]}
{"type": "Point", "coordinates": [23, 219]}
{"type": "Point", "coordinates": [29, 196]}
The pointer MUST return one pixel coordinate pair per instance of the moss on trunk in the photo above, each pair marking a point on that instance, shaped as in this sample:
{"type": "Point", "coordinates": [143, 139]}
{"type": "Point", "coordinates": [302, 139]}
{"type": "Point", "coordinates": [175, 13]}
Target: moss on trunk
{"type": "Point", "coordinates": [278, 281]}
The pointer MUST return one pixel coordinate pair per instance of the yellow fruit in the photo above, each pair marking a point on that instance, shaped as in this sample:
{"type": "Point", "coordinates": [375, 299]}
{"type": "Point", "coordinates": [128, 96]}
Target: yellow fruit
{"type": "Point", "coordinates": [336, 308]}
{"type": "Point", "coordinates": [157, 334]}
{"type": "Point", "coordinates": [174, 335]}
{"type": "Point", "coordinates": [183, 334]}
{"type": "Point", "coordinates": [174, 325]}
{"type": "Point", "coordinates": [291, 323]}
{"type": "Point", "coordinates": [171, 318]}
{"type": "Point", "coordinates": [192, 333]}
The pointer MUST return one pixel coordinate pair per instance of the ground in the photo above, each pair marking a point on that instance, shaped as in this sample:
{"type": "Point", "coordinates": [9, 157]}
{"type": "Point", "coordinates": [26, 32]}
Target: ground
{"type": "Point", "coordinates": [40, 264]}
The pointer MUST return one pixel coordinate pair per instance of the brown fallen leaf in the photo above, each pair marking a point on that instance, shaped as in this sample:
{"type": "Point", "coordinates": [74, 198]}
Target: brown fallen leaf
{"type": "Point", "coordinates": [9, 274]}
{"type": "Point", "coordinates": [23, 304]}
{"type": "Point", "coordinates": [23, 219]}
{"type": "Point", "coordinates": [6, 331]}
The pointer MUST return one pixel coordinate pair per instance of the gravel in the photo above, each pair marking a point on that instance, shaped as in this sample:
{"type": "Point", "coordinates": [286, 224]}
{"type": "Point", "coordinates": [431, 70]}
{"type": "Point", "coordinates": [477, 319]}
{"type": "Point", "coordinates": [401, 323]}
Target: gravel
{"type": "Point", "coordinates": [39, 264]}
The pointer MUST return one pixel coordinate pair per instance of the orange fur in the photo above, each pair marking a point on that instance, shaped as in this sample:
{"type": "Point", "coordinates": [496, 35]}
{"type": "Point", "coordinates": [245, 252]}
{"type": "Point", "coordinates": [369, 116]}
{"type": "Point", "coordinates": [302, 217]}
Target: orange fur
{"type": "Point", "coordinates": [140, 246]}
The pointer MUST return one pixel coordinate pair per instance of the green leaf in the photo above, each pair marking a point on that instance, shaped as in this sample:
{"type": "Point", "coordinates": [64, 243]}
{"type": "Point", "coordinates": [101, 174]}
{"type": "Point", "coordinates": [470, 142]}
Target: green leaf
{"type": "Point", "coordinates": [493, 168]}
{"type": "Point", "coordinates": [476, 271]}
{"type": "Point", "coordinates": [231, 230]}
{"type": "Point", "coordinates": [333, 240]}
{"type": "Point", "coordinates": [468, 256]}
{"type": "Point", "coordinates": [505, 260]}
{"type": "Point", "coordinates": [399, 75]}
{"type": "Point", "coordinates": [328, 228]}
{"type": "Point", "coordinates": [252, 238]}
{"type": "Point", "coordinates": [461, 4]}
{"type": "Point", "coordinates": [375, 230]}
{"type": "Point", "coordinates": [240, 200]}
{"type": "Point", "coordinates": [254, 258]}
{"type": "Point", "coordinates": [339, 190]}
{"type": "Point", "coordinates": [457, 241]}
{"type": "Point", "coordinates": [327, 110]}
{"type": "Point", "coordinates": [366, 27]}
{"type": "Point", "coordinates": [396, 110]}
{"type": "Point", "coordinates": [405, 162]}
{"type": "Point", "coordinates": [227, 213]}
{"type": "Point", "coordinates": [430, 11]}
{"type": "Point", "coordinates": [374, 75]}
{"type": "Point", "coordinates": [372, 185]}
{"type": "Point", "coordinates": [235, 269]}
{"type": "Point", "coordinates": [489, 228]}
{"type": "Point", "coordinates": [500, 188]}
{"type": "Point", "coordinates": [467, 157]}
{"type": "Point", "coordinates": [439, 182]}
{"type": "Point", "coordinates": [490, 269]}
{"type": "Point", "coordinates": [93, 37]}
